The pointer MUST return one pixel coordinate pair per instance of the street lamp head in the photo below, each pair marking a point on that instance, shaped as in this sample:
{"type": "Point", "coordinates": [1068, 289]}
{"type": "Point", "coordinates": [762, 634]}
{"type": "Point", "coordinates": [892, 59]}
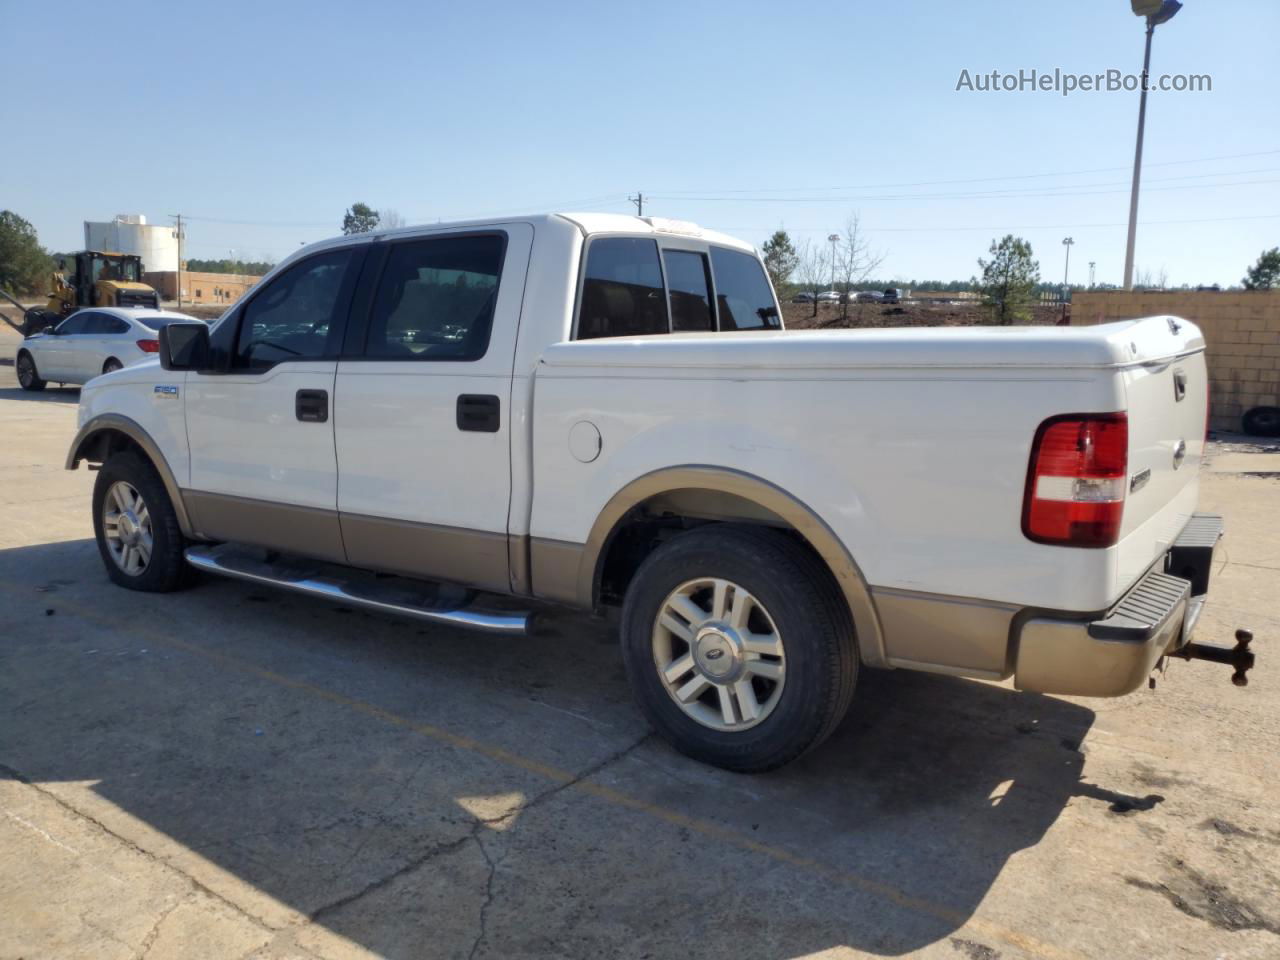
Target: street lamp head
{"type": "Point", "coordinates": [1168, 10]}
{"type": "Point", "coordinates": [834, 237]}
{"type": "Point", "coordinates": [1067, 242]}
{"type": "Point", "coordinates": [1156, 11]}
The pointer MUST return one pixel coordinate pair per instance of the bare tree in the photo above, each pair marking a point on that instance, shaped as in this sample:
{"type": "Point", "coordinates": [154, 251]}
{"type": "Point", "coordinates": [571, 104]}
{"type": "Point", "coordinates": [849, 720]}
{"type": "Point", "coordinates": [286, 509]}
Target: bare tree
{"type": "Point", "coordinates": [813, 270]}
{"type": "Point", "coordinates": [391, 219]}
{"type": "Point", "coordinates": [855, 261]}
{"type": "Point", "coordinates": [1146, 280]}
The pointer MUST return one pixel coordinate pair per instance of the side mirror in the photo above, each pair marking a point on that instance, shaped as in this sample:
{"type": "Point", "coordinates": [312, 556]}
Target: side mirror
{"type": "Point", "coordinates": [184, 346]}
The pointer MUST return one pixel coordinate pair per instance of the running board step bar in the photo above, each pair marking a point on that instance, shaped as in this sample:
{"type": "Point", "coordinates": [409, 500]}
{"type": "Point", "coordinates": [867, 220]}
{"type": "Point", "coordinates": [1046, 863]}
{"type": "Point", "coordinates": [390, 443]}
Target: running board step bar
{"type": "Point", "coordinates": [396, 596]}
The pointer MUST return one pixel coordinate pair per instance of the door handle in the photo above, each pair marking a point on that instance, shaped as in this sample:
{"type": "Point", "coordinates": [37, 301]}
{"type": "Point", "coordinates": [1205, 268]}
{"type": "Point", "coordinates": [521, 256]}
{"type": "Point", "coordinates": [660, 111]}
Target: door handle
{"type": "Point", "coordinates": [1179, 385]}
{"type": "Point", "coordinates": [312, 406]}
{"type": "Point", "coordinates": [480, 412]}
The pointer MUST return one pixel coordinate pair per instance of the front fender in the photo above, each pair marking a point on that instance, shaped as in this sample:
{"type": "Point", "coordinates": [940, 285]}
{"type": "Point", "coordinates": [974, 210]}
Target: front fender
{"type": "Point", "coordinates": [89, 444]}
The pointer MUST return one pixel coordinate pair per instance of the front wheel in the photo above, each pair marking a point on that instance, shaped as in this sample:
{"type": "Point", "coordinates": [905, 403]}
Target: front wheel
{"type": "Point", "coordinates": [28, 376]}
{"type": "Point", "coordinates": [136, 527]}
{"type": "Point", "coordinates": [739, 647]}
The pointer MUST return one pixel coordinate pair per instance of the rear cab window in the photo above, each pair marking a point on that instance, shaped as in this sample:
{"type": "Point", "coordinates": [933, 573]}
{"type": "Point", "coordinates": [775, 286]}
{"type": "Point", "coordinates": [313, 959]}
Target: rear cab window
{"type": "Point", "coordinates": [636, 286]}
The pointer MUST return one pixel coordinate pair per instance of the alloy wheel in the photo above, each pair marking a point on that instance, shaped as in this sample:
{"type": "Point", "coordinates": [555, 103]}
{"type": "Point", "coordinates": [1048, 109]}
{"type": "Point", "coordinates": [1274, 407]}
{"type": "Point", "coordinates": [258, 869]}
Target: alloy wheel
{"type": "Point", "coordinates": [719, 654]}
{"type": "Point", "coordinates": [126, 526]}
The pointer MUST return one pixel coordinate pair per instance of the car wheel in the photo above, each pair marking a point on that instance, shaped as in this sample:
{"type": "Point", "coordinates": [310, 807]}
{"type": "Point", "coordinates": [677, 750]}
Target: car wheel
{"type": "Point", "coordinates": [739, 647]}
{"type": "Point", "coordinates": [136, 527]}
{"type": "Point", "coordinates": [28, 376]}
{"type": "Point", "coordinates": [1262, 422]}
{"type": "Point", "coordinates": [112, 365]}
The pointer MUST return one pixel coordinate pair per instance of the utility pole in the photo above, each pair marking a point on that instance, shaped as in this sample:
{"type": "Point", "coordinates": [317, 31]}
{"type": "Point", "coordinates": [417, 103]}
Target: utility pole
{"type": "Point", "coordinates": [638, 200]}
{"type": "Point", "coordinates": [1092, 264]}
{"type": "Point", "coordinates": [1066, 273]}
{"type": "Point", "coordinates": [178, 216]}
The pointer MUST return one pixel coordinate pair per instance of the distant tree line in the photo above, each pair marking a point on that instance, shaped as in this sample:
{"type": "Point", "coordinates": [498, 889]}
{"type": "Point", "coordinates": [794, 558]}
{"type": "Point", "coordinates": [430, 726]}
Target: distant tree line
{"type": "Point", "coordinates": [254, 268]}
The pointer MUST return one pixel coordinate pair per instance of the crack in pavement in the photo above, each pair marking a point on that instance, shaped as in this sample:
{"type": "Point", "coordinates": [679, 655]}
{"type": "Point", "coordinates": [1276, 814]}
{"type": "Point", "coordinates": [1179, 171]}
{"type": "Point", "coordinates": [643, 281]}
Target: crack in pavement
{"type": "Point", "coordinates": [149, 940]}
{"type": "Point", "coordinates": [488, 895]}
{"type": "Point", "coordinates": [196, 885]}
{"type": "Point", "coordinates": [472, 835]}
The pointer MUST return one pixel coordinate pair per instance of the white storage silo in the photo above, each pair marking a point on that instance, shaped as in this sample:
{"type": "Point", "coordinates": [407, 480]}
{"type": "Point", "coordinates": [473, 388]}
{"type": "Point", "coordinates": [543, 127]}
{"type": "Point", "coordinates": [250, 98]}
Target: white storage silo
{"type": "Point", "coordinates": [130, 233]}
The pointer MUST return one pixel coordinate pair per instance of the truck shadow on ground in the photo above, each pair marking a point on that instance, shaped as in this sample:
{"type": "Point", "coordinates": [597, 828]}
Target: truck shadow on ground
{"type": "Point", "coordinates": [50, 394]}
{"type": "Point", "coordinates": [389, 783]}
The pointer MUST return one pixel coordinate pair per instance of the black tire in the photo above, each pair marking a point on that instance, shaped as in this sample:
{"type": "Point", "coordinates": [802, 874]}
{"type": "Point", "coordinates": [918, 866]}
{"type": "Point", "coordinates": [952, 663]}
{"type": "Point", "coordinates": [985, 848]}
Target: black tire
{"type": "Point", "coordinates": [28, 375]}
{"type": "Point", "coordinates": [1262, 422]}
{"type": "Point", "coordinates": [809, 612]}
{"type": "Point", "coordinates": [167, 568]}
{"type": "Point", "coordinates": [112, 365]}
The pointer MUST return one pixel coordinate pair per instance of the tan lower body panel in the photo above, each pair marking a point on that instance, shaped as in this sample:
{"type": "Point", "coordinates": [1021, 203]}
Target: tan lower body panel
{"type": "Point", "coordinates": [556, 567]}
{"type": "Point", "coordinates": [474, 558]}
{"type": "Point", "coordinates": [281, 526]}
{"type": "Point", "coordinates": [926, 631]}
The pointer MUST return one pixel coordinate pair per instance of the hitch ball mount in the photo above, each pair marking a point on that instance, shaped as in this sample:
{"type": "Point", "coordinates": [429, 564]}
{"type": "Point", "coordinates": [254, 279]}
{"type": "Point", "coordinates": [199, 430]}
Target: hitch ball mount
{"type": "Point", "coordinates": [1239, 656]}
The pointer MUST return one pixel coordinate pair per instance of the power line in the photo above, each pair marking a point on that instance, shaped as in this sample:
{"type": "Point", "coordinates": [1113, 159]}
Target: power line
{"type": "Point", "coordinates": [1006, 228]}
{"type": "Point", "coordinates": [984, 195]}
{"type": "Point", "coordinates": [1020, 176]}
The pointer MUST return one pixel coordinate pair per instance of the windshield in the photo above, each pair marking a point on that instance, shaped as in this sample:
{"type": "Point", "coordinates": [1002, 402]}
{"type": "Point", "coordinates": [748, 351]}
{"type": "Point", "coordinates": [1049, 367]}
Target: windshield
{"type": "Point", "coordinates": [114, 268]}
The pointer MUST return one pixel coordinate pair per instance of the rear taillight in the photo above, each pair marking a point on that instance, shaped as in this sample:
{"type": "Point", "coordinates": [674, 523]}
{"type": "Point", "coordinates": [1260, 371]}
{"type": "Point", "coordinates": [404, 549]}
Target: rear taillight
{"type": "Point", "coordinates": [1077, 481]}
{"type": "Point", "coordinates": [149, 346]}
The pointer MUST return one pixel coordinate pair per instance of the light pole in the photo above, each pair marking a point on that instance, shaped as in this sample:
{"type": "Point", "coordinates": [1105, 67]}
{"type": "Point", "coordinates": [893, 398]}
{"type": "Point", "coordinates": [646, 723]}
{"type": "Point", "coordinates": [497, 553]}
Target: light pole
{"type": "Point", "coordinates": [1156, 12]}
{"type": "Point", "coordinates": [1092, 264]}
{"type": "Point", "coordinates": [1066, 273]}
{"type": "Point", "coordinates": [834, 238]}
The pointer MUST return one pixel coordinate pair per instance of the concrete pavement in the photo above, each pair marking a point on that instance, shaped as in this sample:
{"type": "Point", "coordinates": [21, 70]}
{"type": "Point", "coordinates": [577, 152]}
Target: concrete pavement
{"type": "Point", "coordinates": [233, 772]}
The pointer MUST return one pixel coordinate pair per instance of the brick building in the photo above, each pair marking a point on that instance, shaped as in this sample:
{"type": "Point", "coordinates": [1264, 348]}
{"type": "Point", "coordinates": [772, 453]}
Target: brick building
{"type": "Point", "coordinates": [204, 288]}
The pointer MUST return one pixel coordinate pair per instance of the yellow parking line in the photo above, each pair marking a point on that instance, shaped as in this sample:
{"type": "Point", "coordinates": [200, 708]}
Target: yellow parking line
{"type": "Point", "coordinates": [607, 794]}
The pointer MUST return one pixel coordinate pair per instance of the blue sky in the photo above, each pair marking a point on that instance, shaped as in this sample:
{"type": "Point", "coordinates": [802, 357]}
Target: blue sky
{"type": "Point", "coordinates": [262, 122]}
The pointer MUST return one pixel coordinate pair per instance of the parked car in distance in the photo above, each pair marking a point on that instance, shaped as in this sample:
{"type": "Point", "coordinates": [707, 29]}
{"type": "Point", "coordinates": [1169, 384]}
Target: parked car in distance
{"type": "Point", "coordinates": [802, 298]}
{"type": "Point", "coordinates": [891, 295]}
{"type": "Point", "coordinates": [605, 411]}
{"type": "Point", "coordinates": [91, 342]}
{"type": "Point", "coordinates": [829, 296]}
{"type": "Point", "coordinates": [868, 296]}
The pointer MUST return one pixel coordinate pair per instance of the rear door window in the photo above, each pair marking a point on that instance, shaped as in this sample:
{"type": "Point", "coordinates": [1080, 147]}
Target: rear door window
{"type": "Point", "coordinates": [690, 291]}
{"type": "Point", "coordinates": [743, 294]}
{"type": "Point", "coordinates": [622, 293]}
{"type": "Point", "coordinates": [436, 298]}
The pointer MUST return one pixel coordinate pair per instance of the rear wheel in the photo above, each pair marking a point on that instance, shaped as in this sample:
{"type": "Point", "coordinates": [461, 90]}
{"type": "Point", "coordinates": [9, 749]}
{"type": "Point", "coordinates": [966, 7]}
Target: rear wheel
{"type": "Point", "coordinates": [28, 376]}
{"type": "Point", "coordinates": [739, 647]}
{"type": "Point", "coordinates": [136, 527]}
{"type": "Point", "coordinates": [112, 365]}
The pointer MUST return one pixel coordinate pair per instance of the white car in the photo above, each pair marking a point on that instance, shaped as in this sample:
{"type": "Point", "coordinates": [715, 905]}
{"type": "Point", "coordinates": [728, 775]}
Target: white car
{"type": "Point", "coordinates": [603, 410]}
{"type": "Point", "coordinates": [91, 342]}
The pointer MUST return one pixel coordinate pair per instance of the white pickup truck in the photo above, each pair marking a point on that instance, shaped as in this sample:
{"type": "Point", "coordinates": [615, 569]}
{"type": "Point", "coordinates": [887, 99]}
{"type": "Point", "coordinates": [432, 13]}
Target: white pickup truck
{"type": "Point", "coordinates": [605, 410]}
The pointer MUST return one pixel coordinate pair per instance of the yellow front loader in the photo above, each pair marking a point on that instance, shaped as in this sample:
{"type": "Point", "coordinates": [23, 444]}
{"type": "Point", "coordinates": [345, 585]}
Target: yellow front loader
{"type": "Point", "coordinates": [95, 279]}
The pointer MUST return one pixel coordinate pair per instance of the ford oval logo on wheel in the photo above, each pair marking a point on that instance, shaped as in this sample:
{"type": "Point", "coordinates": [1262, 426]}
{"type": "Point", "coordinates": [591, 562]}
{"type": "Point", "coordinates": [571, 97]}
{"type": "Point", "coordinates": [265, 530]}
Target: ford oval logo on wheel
{"type": "Point", "coordinates": [1179, 453]}
{"type": "Point", "coordinates": [715, 653]}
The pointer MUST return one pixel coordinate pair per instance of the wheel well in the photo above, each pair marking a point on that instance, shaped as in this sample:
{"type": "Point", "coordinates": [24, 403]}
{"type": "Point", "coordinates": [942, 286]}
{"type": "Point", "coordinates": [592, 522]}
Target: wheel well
{"type": "Point", "coordinates": [652, 522]}
{"type": "Point", "coordinates": [107, 361]}
{"type": "Point", "coordinates": [102, 445]}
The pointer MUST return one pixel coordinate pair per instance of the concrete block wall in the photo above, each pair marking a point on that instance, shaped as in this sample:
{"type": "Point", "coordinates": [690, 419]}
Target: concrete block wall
{"type": "Point", "coordinates": [1241, 331]}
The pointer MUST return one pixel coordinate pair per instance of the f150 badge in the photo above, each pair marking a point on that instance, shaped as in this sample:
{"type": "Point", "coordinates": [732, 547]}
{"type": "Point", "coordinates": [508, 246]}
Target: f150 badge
{"type": "Point", "coordinates": [165, 392]}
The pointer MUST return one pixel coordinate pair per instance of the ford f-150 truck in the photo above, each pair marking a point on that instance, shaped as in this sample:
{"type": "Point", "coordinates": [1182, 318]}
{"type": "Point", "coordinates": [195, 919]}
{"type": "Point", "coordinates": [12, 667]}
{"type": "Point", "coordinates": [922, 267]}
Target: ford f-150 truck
{"type": "Point", "coordinates": [603, 410]}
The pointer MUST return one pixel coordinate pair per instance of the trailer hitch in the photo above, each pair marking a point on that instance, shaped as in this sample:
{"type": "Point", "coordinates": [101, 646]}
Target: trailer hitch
{"type": "Point", "coordinates": [1239, 656]}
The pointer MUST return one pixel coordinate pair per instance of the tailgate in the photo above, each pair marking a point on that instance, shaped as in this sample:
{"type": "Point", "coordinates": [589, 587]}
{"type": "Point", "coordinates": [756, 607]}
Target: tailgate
{"type": "Point", "coordinates": [1167, 395]}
